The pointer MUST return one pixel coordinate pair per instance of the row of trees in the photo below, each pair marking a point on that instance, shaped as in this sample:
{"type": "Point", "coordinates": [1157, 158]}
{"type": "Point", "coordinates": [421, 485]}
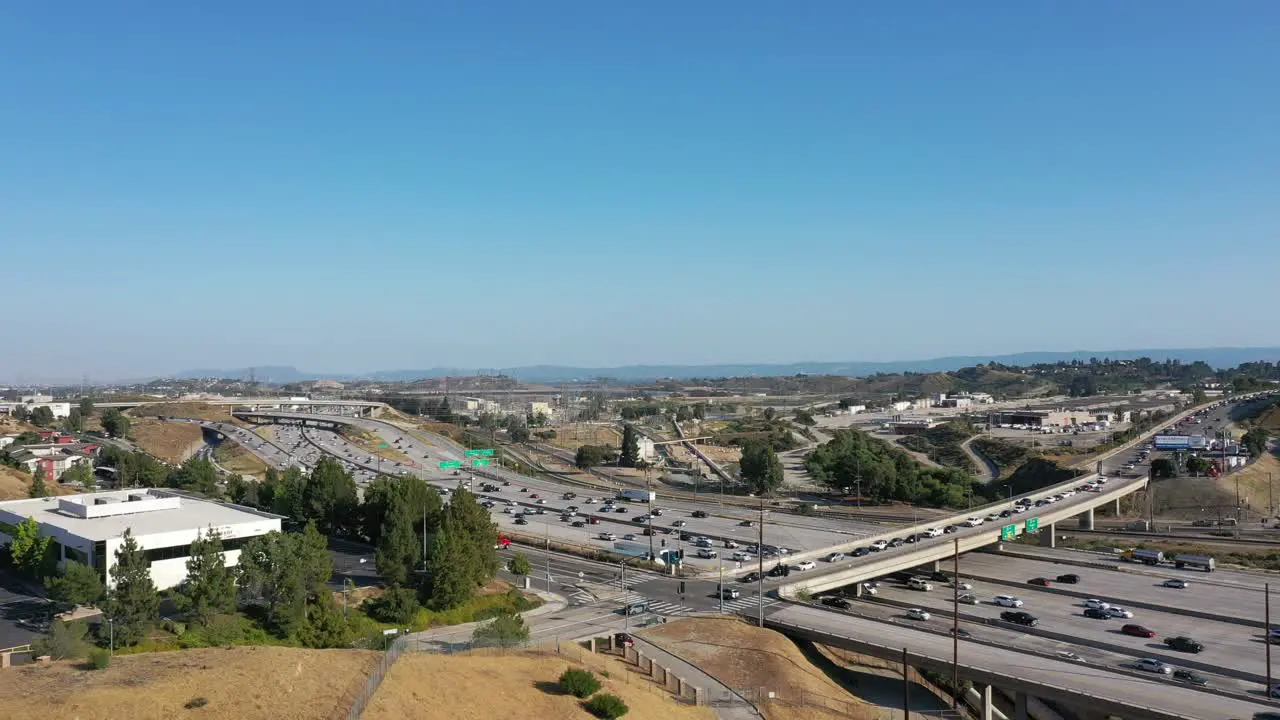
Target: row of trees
{"type": "Point", "coordinates": [852, 460]}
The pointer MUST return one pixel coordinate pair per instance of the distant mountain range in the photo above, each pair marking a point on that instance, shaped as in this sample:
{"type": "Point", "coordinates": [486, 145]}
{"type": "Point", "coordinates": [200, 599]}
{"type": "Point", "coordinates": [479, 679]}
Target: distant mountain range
{"type": "Point", "coordinates": [1216, 357]}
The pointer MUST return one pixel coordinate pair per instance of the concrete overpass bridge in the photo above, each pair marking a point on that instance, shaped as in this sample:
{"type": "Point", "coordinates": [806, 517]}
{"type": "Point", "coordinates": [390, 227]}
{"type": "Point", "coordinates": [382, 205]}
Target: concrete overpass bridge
{"type": "Point", "coordinates": [360, 408]}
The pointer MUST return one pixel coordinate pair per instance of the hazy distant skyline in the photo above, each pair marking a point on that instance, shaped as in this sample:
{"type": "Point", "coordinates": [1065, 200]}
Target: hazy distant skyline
{"type": "Point", "coordinates": [345, 188]}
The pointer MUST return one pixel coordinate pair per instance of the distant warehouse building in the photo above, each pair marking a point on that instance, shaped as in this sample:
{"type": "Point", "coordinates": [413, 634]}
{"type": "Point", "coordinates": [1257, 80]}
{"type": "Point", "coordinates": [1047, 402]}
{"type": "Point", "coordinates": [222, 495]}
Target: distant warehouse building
{"type": "Point", "coordinates": [1050, 418]}
{"type": "Point", "coordinates": [90, 528]}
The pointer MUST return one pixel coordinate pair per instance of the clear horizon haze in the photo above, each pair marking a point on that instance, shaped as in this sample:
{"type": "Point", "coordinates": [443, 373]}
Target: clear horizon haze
{"type": "Point", "coordinates": [353, 187]}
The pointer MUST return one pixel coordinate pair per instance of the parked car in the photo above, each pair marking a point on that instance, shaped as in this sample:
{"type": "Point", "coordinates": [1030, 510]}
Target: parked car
{"type": "Point", "coordinates": [1138, 631]}
{"type": "Point", "coordinates": [917, 614]}
{"type": "Point", "coordinates": [1069, 578]}
{"type": "Point", "coordinates": [1020, 617]}
{"type": "Point", "coordinates": [1182, 643]}
{"type": "Point", "coordinates": [1007, 601]}
{"type": "Point", "coordinates": [1154, 665]}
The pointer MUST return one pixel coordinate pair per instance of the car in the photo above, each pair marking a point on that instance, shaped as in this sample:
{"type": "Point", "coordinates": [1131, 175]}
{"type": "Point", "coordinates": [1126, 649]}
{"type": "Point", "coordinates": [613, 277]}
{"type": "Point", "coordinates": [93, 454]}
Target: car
{"type": "Point", "coordinates": [1068, 655]}
{"type": "Point", "coordinates": [878, 545]}
{"type": "Point", "coordinates": [731, 545]}
{"type": "Point", "coordinates": [636, 608]}
{"type": "Point", "coordinates": [804, 565]}
{"type": "Point", "coordinates": [1118, 612]}
{"type": "Point", "coordinates": [871, 588]}
{"type": "Point", "coordinates": [621, 510]}
{"type": "Point", "coordinates": [1042, 582]}
{"type": "Point", "coordinates": [507, 510]}
{"type": "Point", "coordinates": [702, 542]}
{"type": "Point", "coordinates": [919, 583]}
{"type": "Point", "coordinates": [1096, 603]}
{"type": "Point", "coordinates": [991, 518]}
{"type": "Point", "coordinates": [569, 496]}
{"type": "Point", "coordinates": [972, 522]}
{"type": "Point", "coordinates": [1153, 665]}
{"type": "Point", "coordinates": [542, 501]}
{"type": "Point", "coordinates": [1007, 601]}
{"type": "Point", "coordinates": [524, 489]}
{"type": "Point", "coordinates": [699, 513]}
{"type": "Point", "coordinates": [860, 552]}
{"type": "Point", "coordinates": [640, 518]}
{"type": "Point", "coordinates": [933, 532]}
{"type": "Point", "coordinates": [506, 483]}
{"type": "Point", "coordinates": [1096, 614]}
{"type": "Point", "coordinates": [741, 556]}
{"type": "Point", "coordinates": [917, 614]}
{"type": "Point", "coordinates": [589, 501]}
{"type": "Point", "coordinates": [511, 503]}
{"type": "Point", "coordinates": [540, 511]}
{"type": "Point", "coordinates": [912, 538]}
{"type": "Point", "coordinates": [837, 602]}
{"type": "Point", "coordinates": [960, 632]}
{"type": "Point", "coordinates": [835, 557]}
{"type": "Point", "coordinates": [1182, 643]}
{"type": "Point", "coordinates": [1005, 513]}
{"type": "Point", "coordinates": [657, 512]}
{"type": "Point", "coordinates": [968, 599]}
{"type": "Point", "coordinates": [1020, 617]}
{"type": "Point", "coordinates": [629, 536]}
{"type": "Point", "coordinates": [707, 553]}
{"type": "Point", "coordinates": [749, 577]}
{"type": "Point", "coordinates": [1177, 583]}
{"type": "Point", "coordinates": [1138, 631]}
{"type": "Point", "coordinates": [1189, 677]}
{"type": "Point", "coordinates": [571, 509]}
{"type": "Point", "coordinates": [950, 529]}
{"type": "Point", "coordinates": [729, 593]}
{"type": "Point", "coordinates": [961, 584]}
{"type": "Point", "coordinates": [607, 536]}
{"type": "Point", "coordinates": [939, 576]}
{"type": "Point", "coordinates": [747, 523]}
{"type": "Point", "coordinates": [779, 570]}
{"type": "Point", "coordinates": [1069, 578]}
{"type": "Point", "coordinates": [896, 542]}
{"type": "Point", "coordinates": [566, 518]}
{"type": "Point", "coordinates": [593, 521]}
{"type": "Point", "coordinates": [521, 521]}
{"type": "Point", "coordinates": [534, 495]}
{"type": "Point", "coordinates": [679, 523]}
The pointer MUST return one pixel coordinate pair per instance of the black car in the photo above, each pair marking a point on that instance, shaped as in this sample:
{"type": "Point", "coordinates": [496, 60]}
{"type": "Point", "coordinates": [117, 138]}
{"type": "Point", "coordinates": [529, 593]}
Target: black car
{"type": "Point", "coordinates": [950, 529]}
{"type": "Point", "coordinates": [939, 576]}
{"type": "Point", "coordinates": [686, 536]}
{"type": "Point", "coordinates": [911, 538]}
{"type": "Point", "coordinates": [1187, 676]}
{"type": "Point", "coordinates": [1069, 578]}
{"type": "Point", "coordinates": [896, 542]}
{"type": "Point", "coordinates": [1096, 613]}
{"type": "Point", "coordinates": [521, 521]}
{"type": "Point", "coordinates": [1020, 617]}
{"type": "Point", "coordinates": [750, 577]}
{"type": "Point", "coordinates": [859, 552]}
{"type": "Point", "coordinates": [837, 602]}
{"type": "Point", "coordinates": [747, 523]}
{"type": "Point", "coordinates": [699, 513]}
{"type": "Point", "coordinates": [779, 571]}
{"type": "Point", "coordinates": [961, 632]}
{"type": "Point", "coordinates": [579, 524]}
{"type": "Point", "coordinates": [1184, 644]}
{"type": "Point", "coordinates": [1005, 513]}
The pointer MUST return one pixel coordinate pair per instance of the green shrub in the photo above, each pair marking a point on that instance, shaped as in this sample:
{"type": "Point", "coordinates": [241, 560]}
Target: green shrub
{"type": "Point", "coordinates": [99, 659]}
{"type": "Point", "coordinates": [606, 706]}
{"type": "Point", "coordinates": [579, 683]}
{"type": "Point", "coordinates": [196, 702]}
{"type": "Point", "coordinates": [397, 605]}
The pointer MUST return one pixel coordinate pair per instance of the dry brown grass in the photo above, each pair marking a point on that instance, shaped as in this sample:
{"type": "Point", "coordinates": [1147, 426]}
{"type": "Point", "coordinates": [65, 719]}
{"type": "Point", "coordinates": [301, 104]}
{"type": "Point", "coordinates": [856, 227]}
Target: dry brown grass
{"type": "Point", "coordinates": [573, 436]}
{"type": "Point", "coordinates": [482, 686]}
{"type": "Point", "coordinates": [168, 441]}
{"type": "Point", "coordinates": [241, 683]}
{"type": "Point", "coordinates": [372, 444]}
{"type": "Point", "coordinates": [746, 657]}
{"type": "Point", "coordinates": [10, 426]}
{"type": "Point", "coordinates": [16, 484]}
{"type": "Point", "coordinates": [236, 459]}
{"type": "Point", "coordinates": [193, 410]}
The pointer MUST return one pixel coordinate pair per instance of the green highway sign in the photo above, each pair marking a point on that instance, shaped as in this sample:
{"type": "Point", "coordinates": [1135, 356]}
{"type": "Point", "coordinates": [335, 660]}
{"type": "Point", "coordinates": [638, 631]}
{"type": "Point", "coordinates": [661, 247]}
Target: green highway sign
{"type": "Point", "coordinates": [480, 462]}
{"type": "Point", "coordinates": [1033, 524]}
{"type": "Point", "coordinates": [450, 464]}
{"type": "Point", "coordinates": [1008, 532]}
{"type": "Point", "coordinates": [487, 452]}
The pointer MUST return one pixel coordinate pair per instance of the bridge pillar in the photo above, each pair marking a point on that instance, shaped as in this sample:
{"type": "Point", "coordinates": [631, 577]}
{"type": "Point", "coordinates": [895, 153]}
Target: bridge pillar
{"type": "Point", "coordinates": [1115, 510]}
{"type": "Point", "coordinates": [1086, 519]}
{"type": "Point", "coordinates": [1020, 706]}
{"type": "Point", "coordinates": [1048, 535]}
{"type": "Point", "coordinates": [937, 565]}
{"type": "Point", "coordinates": [987, 705]}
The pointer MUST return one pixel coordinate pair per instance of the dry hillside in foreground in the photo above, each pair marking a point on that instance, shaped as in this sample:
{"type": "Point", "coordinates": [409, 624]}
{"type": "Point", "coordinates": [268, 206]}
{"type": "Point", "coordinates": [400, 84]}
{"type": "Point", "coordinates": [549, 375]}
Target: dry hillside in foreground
{"type": "Point", "coordinates": [168, 441]}
{"type": "Point", "coordinates": [16, 484]}
{"type": "Point", "coordinates": [241, 683]}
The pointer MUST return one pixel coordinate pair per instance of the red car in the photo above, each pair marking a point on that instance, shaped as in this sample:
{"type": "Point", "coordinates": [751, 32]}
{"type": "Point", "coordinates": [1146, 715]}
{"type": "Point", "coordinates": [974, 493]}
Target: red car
{"type": "Point", "coordinates": [1039, 581]}
{"type": "Point", "coordinates": [1138, 631]}
{"type": "Point", "coordinates": [534, 495]}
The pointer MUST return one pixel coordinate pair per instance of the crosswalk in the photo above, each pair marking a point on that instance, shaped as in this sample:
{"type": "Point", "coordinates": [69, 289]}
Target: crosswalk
{"type": "Point", "coordinates": [745, 605]}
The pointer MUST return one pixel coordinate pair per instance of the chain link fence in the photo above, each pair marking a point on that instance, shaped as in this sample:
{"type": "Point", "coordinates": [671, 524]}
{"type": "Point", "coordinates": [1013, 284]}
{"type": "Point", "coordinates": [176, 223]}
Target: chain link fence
{"type": "Point", "coordinates": [854, 710]}
{"type": "Point", "coordinates": [388, 658]}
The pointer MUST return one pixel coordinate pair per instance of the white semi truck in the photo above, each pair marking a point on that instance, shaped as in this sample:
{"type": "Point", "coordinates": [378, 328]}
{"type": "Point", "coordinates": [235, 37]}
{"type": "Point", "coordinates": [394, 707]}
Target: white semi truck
{"type": "Point", "coordinates": [644, 496]}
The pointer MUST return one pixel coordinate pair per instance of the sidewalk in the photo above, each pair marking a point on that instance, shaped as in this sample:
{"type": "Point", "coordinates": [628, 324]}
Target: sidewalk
{"type": "Point", "coordinates": [726, 704]}
{"type": "Point", "coordinates": [453, 638]}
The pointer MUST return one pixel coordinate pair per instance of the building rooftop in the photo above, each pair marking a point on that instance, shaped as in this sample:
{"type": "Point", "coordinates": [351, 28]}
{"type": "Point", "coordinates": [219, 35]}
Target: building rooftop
{"type": "Point", "coordinates": [147, 511]}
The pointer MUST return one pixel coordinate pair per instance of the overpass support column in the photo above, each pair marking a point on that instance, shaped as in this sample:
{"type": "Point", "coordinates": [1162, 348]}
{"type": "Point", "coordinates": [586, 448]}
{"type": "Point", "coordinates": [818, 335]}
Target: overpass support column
{"type": "Point", "coordinates": [1020, 706]}
{"type": "Point", "coordinates": [987, 705]}
{"type": "Point", "coordinates": [1048, 535]}
{"type": "Point", "coordinates": [1086, 520]}
{"type": "Point", "coordinates": [937, 565]}
{"type": "Point", "coordinates": [1115, 509]}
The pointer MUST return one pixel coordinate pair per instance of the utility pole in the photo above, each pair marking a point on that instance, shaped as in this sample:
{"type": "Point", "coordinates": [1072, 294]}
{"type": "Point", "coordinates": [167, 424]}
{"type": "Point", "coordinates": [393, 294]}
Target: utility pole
{"type": "Point", "coordinates": [955, 627]}
{"type": "Point", "coordinates": [626, 598]}
{"type": "Point", "coordinates": [1267, 625]}
{"type": "Point", "coordinates": [760, 573]}
{"type": "Point", "coordinates": [906, 687]}
{"type": "Point", "coordinates": [720, 591]}
{"type": "Point", "coordinates": [547, 550]}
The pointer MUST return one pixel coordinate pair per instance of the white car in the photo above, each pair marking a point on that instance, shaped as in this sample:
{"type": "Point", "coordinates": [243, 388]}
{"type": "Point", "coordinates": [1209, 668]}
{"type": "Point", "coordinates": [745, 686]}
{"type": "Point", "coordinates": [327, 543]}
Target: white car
{"type": "Point", "coordinates": [706, 553]}
{"type": "Point", "coordinates": [1096, 603]}
{"type": "Point", "coordinates": [511, 503]}
{"type": "Point", "coordinates": [741, 557]}
{"type": "Point", "coordinates": [1154, 665]}
{"type": "Point", "coordinates": [1019, 509]}
{"type": "Point", "coordinates": [879, 545]}
{"type": "Point", "coordinates": [1118, 612]}
{"type": "Point", "coordinates": [933, 532]}
{"type": "Point", "coordinates": [804, 565]}
{"type": "Point", "coordinates": [608, 536]}
{"type": "Point", "coordinates": [917, 614]}
{"type": "Point", "coordinates": [1007, 601]}
{"type": "Point", "coordinates": [973, 522]}
{"type": "Point", "coordinates": [835, 557]}
{"type": "Point", "coordinates": [589, 501]}
{"type": "Point", "coordinates": [961, 584]}
{"type": "Point", "coordinates": [506, 510]}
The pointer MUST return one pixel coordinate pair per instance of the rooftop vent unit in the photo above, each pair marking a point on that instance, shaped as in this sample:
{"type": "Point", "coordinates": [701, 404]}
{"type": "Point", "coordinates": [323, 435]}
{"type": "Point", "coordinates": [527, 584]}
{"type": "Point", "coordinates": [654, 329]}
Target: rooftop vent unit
{"type": "Point", "coordinates": [103, 500]}
{"type": "Point", "coordinates": [135, 497]}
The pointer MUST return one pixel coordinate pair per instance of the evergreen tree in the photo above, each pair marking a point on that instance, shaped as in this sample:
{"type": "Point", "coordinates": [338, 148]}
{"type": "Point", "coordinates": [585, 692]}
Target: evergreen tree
{"type": "Point", "coordinates": [197, 475]}
{"type": "Point", "coordinates": [448, 581]}
{"type": "Point", "coordinates": [133, 601]}
{"type": "Point", "coordinates": [329, 498]}
{"type": "Point", "coordinates": [398, 549]}
{"type": "Point", "coordinates": [86, 408]}
{"type": "Point", "coordinates": [384, 492]}
{"type": "Point", "coordinates": [323, 625]}
{"type": "Point", "coordinates": [210, 587]}
{"type": "Point", "coordinates": [115, 422]}
{"type": "Point", "coordinates": [38, 489]}
{"type": "Point", "coordinates": [760, 467]}
{"type": "Point", "coordinates": [630, 456]}
{"type": "Point", "coordinates": [477, 533]}
{"type": "Point", "coordinates": [77, 584]}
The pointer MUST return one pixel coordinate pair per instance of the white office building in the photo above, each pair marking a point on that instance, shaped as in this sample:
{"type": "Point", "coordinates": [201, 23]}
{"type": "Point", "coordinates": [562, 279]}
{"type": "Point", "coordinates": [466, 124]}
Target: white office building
{"type": "Point", "coordinates": [89, 528]}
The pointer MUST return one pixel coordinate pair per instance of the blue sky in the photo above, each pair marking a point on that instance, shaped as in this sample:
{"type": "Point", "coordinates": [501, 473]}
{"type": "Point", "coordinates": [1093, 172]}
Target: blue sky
{"type": "Point", "coordinates": [358, 186]}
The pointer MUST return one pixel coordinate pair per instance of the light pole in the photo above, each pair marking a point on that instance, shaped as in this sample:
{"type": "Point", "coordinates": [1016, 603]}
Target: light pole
{"type": "Point", "coordinates": [111, 630]}
{"type": "Point", "coordinates": [760, 573]}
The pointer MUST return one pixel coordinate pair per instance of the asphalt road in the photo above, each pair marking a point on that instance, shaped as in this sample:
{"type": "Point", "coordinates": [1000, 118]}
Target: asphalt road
{"type": "Point", "coordinates": [1091, 679]}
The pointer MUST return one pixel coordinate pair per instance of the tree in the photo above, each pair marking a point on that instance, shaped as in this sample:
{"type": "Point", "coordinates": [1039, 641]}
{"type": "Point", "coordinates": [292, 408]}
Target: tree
{"type": "Point", "coordinates": [79, 474]}
{"type": "Point", "coordinates": [38, 489]}
{"type": "Point", "coordinates": [42, 416]}
{"type": "Point", "coordinates": [75, 421]}
{"type": "Point", "coordinates": [398, 550]}
{"type": "Point", "coordinates": [1255, 441]}
{"type": "Point", "coordinates": [447, 582]}
{"type": "Point", "coordinates": [197, 475]}
{"type": "Point", "coordinates": [478, 533]}
{"type": "Point", "coordinates": [1163, 468]}
{"type": "Point", "coordinates": [505, 630]}
{"type": "Point", "coordinates": [323, 625]}
{"type": "Point", "coordinates": [30, 552]}
{"type": "Point", "coordinates": [589, 456]}
{"type": "Point", "coordinates": [630, 455]}
{"type": "Point", "coordinates": [397, 605]}
{"type": "Point", "coordinates": [285, 574]}
{"type": "Point", "coordinates": [76, 584]}
{"type": "Point", "coordinates": [516, 429]}
{"type": "Point", "coordinates": [1198, 397]}
{"type": "Point", "coordinates": [115, 422]}
{"type": "Point", "coordinates": [65, 641]}
{"type": "Point", "coordinates": [519, 565]}
{"type": "Point", "coordinates": [329, 498]}
{"type": "Point", "coordinates": [1198, 465]}
{"type": "Point", "coordinates": [579, 683]}
{"type": "Point", "coordinates": [804, 417]}
{"type": "Point", "coordinates": [422, 500]}
{"type": "Point", "coordinates": [761, 469]}
{"type": "Point", "coordinates": [133, 602]}
{"type": "Point", "coordinates": [86, 408]}
{"type": "Point", "coordinates": [210, 587]}
{"type": "Point", "coordinates": [22, 413]}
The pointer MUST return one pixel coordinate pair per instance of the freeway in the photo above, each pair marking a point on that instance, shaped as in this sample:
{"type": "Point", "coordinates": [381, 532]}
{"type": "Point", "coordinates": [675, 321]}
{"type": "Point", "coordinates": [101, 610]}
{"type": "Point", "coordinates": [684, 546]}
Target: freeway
{"type": "Point", "coordinates": [1074, 683]}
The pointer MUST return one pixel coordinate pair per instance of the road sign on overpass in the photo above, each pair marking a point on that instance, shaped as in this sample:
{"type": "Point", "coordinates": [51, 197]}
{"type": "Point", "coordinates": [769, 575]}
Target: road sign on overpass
{"type": "Point", "coordinates": [1033, 524]}
{"type": "Point", "coordinates": [486, 452]}
{"type": "Point", "coordinates": [1008, 532]}
{"type": "Point", "coordinates": [480, 462]}
{"type": "Point", "coordinates": [450, 464]}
